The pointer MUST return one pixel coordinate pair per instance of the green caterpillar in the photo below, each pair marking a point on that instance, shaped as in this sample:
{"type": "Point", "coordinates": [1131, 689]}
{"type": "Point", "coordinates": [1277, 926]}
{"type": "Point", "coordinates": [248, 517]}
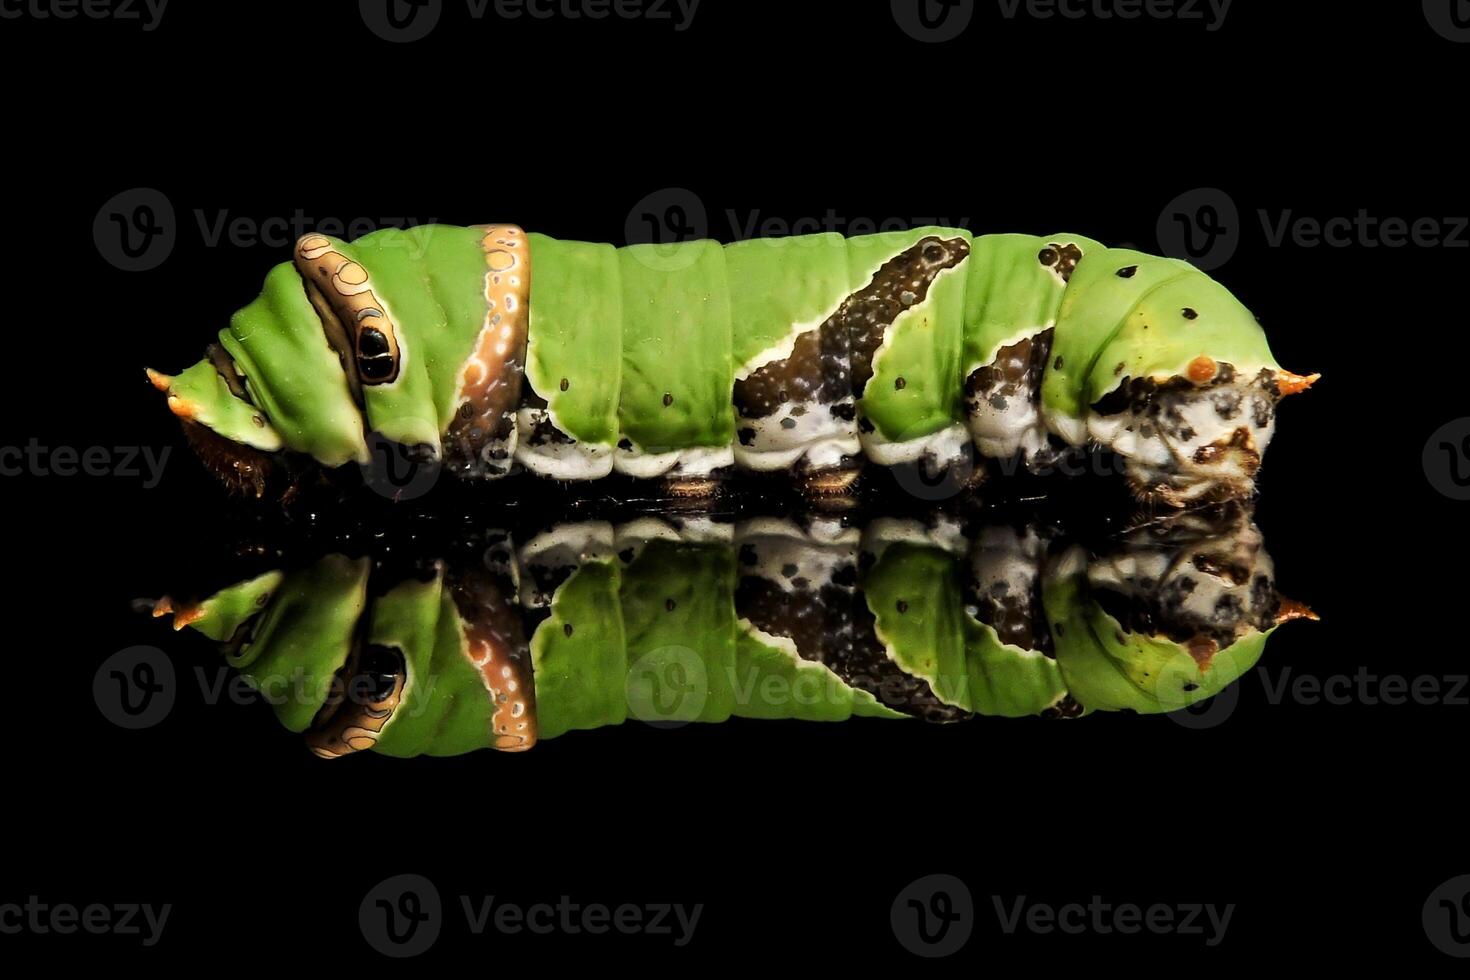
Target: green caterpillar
{"type": "Point", "coordinates": [589, 624]}
{"type": "Point", "coordinates": [490, 350]}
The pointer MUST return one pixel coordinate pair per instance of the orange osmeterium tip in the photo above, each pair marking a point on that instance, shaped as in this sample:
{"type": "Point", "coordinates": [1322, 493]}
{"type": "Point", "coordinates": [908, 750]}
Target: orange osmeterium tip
{"type": "Point", "coordinates": [1292, 384]}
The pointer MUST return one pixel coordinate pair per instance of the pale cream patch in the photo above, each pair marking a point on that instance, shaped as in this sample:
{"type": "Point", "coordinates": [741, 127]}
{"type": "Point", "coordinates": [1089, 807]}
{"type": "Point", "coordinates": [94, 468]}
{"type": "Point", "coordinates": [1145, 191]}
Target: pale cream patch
{"type": "Point", "coordinates": [555, 459]}
{"type": "Point", "coordinates": [695, 461]}
{"type": "Point", "coordinates": [1015, 427]}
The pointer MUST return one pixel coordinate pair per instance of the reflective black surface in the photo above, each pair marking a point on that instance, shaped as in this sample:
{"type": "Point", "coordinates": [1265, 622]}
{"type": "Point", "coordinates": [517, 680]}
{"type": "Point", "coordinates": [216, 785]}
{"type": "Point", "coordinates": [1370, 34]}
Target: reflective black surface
{"type": "Point", "coordinates": [1323, 804]}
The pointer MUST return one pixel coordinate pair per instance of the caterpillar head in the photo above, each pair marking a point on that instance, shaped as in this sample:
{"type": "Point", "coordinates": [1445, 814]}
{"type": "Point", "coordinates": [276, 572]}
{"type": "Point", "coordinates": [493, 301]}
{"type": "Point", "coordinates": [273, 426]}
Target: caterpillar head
{"type": "Point", "coordinates": [232, 438]}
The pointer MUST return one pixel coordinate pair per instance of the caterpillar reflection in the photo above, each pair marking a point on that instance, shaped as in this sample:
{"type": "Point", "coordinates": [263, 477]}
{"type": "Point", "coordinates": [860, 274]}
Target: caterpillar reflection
{"type": "Point", "coordinates": [492, 350]}
{"type": "Point", "coordinates": [586, 625]}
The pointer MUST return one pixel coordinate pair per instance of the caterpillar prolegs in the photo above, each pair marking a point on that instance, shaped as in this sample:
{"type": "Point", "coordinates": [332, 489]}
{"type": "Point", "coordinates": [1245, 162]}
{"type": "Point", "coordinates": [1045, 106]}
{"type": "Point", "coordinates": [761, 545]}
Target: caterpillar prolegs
{"type": "Point", "coordinates": [493, 350]}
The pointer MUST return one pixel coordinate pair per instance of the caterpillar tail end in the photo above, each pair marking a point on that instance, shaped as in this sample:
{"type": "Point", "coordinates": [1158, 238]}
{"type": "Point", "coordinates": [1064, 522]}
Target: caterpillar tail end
{"type": "Point", "coordinates": [1289, 609]}
{"type": "Point", "coordinates": [1288, 383]}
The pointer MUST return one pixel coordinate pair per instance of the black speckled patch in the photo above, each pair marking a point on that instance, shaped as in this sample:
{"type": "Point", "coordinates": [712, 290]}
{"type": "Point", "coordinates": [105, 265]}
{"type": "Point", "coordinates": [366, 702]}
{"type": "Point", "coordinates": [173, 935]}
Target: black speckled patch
{"type": "Point", "coordinates": [1061, 259]}
{"type": "Point", "coordinates": [902, 282]}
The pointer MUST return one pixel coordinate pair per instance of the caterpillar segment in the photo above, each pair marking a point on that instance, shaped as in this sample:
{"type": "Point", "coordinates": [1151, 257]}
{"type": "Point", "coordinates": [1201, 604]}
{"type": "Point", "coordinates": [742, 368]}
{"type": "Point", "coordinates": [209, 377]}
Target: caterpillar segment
{"type": "Point", "coordinates": [793, 389]}
{"type": "Point", "coordinates": [495, 642]}
{"type": "Point", "coordinates": [1015, 288]}
{"type": "Point", "coordinates": [494, 351]}
{"type": "Point", "coordinates": [800, 619]}
{"type": "Point", "coordinates": [672, 621]}
{"type": "Point", "coordinates": [483, 434]}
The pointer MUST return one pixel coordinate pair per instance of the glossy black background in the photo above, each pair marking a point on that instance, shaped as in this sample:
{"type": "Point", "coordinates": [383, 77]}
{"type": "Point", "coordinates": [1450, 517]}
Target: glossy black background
{"type": "Point", "coordinates": [1328, 825]}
